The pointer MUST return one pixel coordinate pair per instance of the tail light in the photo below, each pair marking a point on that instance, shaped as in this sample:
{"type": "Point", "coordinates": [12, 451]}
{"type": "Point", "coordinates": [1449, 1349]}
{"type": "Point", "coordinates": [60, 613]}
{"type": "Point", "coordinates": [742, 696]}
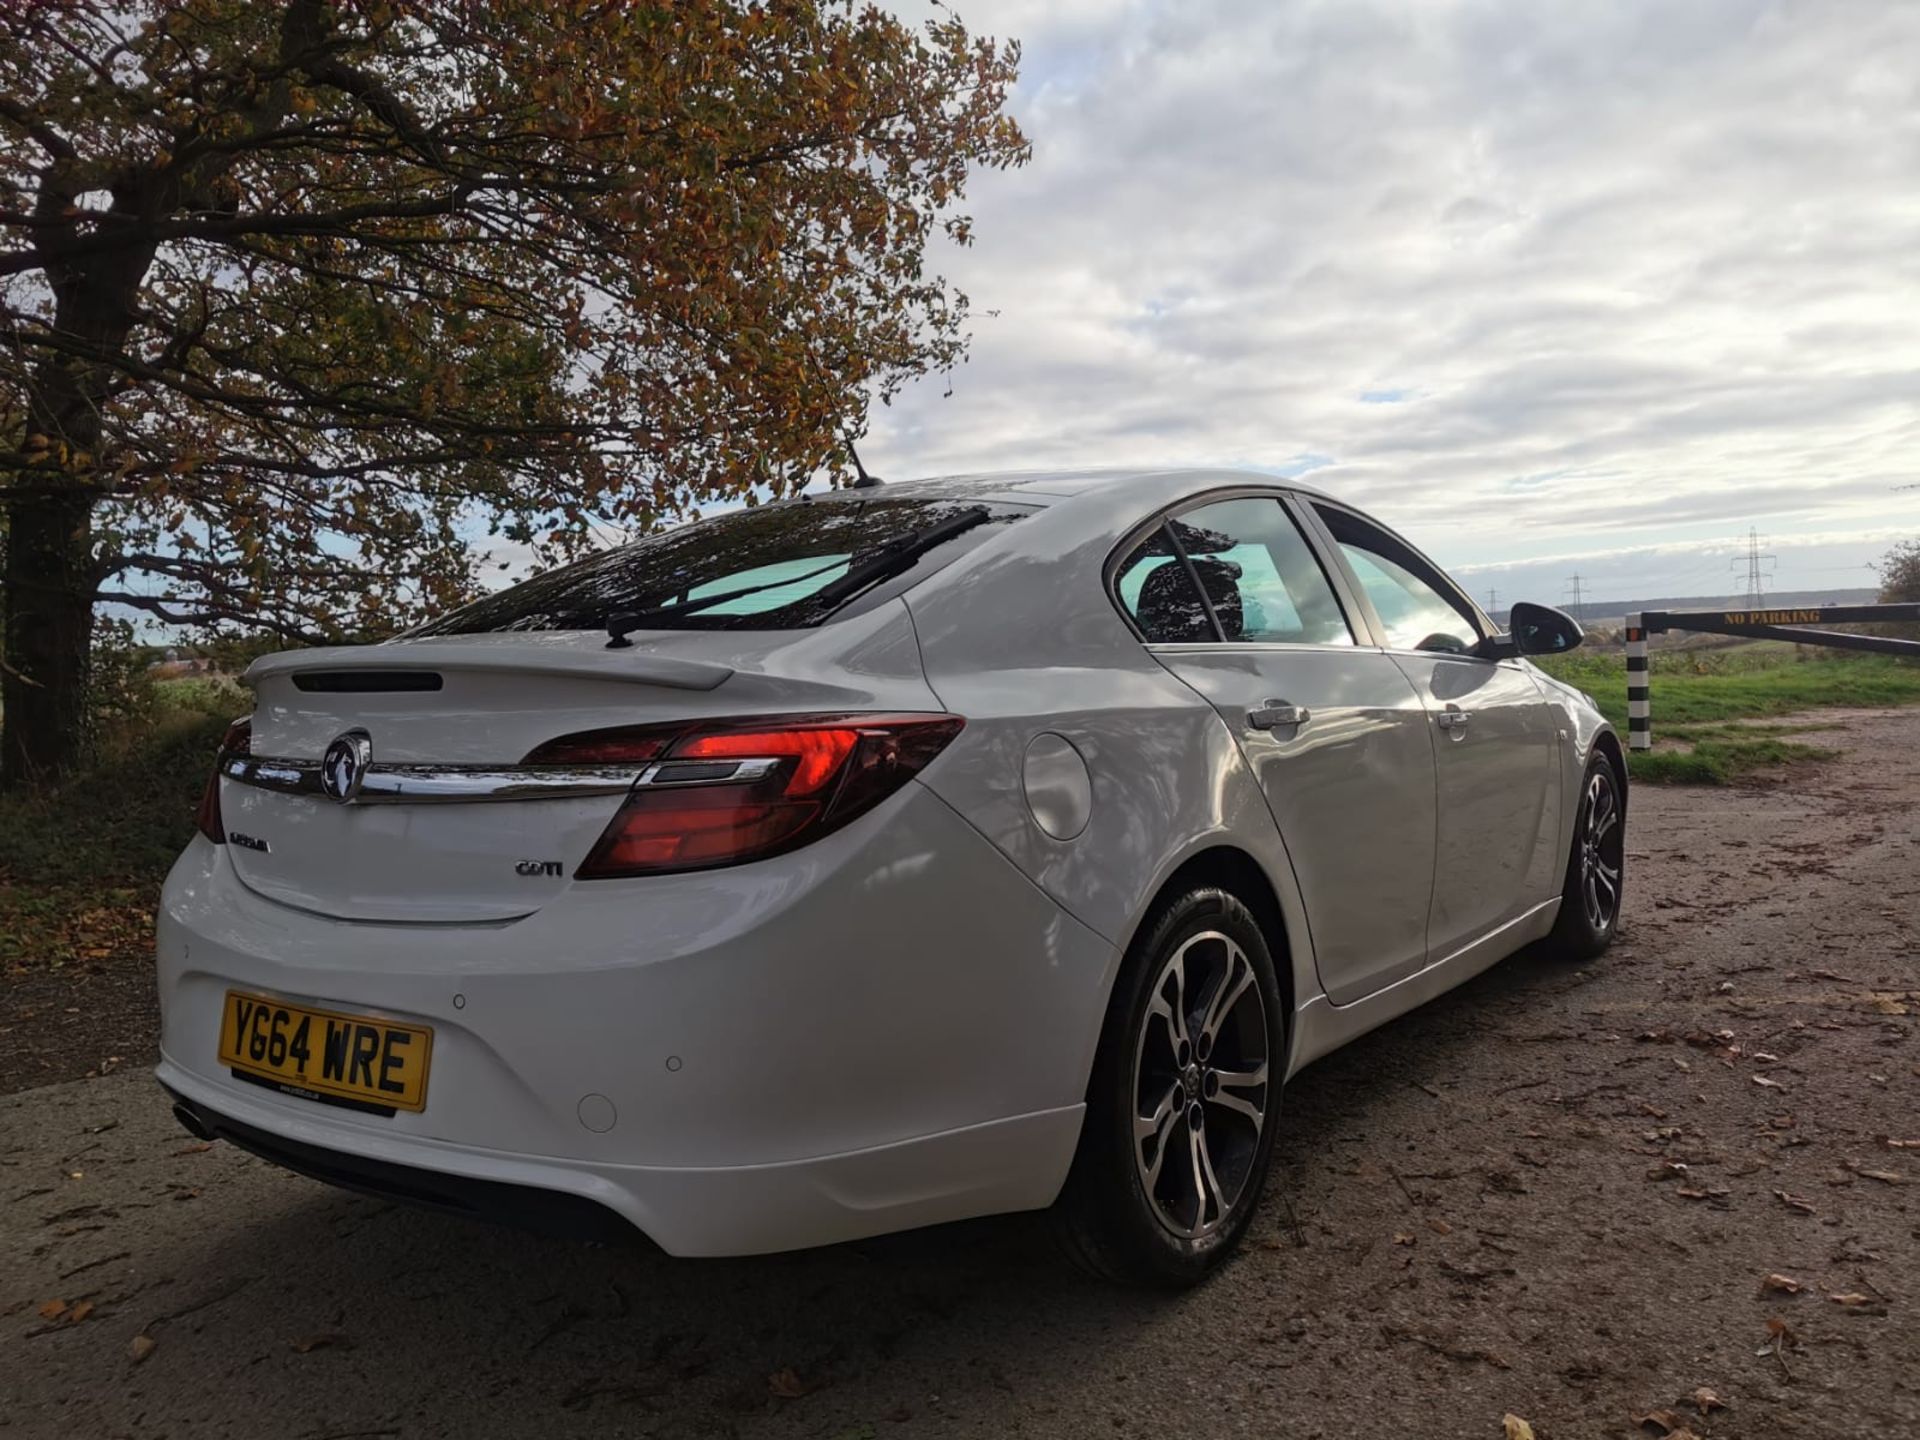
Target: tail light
{"type": "Point", "coordinates": [237, 741]}
{"type": "Point", "coordinates": [722, 793]}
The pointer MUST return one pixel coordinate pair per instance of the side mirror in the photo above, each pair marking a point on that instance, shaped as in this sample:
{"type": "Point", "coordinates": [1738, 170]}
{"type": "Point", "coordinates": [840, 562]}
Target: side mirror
{"type": "Point", "coordinates": [1543, 630]}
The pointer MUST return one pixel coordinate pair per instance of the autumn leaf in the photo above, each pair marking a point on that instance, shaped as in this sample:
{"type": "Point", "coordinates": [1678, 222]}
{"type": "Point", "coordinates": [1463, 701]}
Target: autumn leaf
{"type": "Point", "coordinates": [1780, 1285]}
{"type": "Point", "coordinates": [1885, 1177]}
{"type": "Point", "coordinates": [325, 1340]}
{"type": "Point", "coordinates": [141, 1346]}
{"type": "Point", "coordinates": [1515, 1428]}
{"type": "Point", "coordinates": [1708, 1401]}
{"type": "Point", "coordinates": [53, 1309]}
{"type": "Point", "coordinates": [786, 1384]}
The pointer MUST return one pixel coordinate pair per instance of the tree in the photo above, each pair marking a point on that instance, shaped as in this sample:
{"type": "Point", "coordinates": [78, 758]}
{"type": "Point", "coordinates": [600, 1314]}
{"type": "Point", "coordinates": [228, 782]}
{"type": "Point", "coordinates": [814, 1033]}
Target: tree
{"type": "Point", "coordinates": [1900, 574]}
{"type": "Point", "coordinates": [1900, 584]}
{"type": "Point", "coordinates": [300, 298]}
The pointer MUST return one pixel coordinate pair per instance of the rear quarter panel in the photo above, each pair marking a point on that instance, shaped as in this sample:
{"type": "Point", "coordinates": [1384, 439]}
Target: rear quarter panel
{"type": "Point", "coordinates": [1022, 639]}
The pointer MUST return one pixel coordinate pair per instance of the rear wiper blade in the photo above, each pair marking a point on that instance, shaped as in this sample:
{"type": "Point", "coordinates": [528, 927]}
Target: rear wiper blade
{"type": "Point", "coordinates": [620, 626]}
{"type": "Point", "coordinates": [893, 559]}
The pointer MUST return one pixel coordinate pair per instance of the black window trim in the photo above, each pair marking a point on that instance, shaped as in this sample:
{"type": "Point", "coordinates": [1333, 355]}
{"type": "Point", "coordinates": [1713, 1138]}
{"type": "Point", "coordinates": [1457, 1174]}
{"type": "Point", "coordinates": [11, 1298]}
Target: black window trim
{"type": "Point", "coordinates": [1361, 624]}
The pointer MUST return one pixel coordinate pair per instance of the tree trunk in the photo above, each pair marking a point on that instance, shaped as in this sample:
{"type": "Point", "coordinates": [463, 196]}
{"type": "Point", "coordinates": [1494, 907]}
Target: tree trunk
{"type": "Point", "coordinates": [49, 611]}
{"type": "Point", "coordinates": [51, 577]}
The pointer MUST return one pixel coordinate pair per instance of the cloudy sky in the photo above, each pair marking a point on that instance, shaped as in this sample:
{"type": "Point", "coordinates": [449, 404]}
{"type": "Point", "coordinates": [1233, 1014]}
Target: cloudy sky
{"type": "Point", "coordinates": [1552, 287]}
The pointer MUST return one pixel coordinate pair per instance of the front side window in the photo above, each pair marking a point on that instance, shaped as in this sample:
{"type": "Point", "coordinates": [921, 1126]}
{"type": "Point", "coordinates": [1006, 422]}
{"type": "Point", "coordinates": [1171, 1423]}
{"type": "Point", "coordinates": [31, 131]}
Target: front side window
{"type": "Point", "coordinates": [773, 567]}
{"type": "Point", "coordinates": [1417, 608]}
{"type": "Point", "coordinates": [1261, 581]}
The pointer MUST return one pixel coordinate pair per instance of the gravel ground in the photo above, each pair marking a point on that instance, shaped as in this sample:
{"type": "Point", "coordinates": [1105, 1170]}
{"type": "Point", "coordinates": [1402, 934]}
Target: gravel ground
{"type": "Point", "coordinates": [1481, 1209]}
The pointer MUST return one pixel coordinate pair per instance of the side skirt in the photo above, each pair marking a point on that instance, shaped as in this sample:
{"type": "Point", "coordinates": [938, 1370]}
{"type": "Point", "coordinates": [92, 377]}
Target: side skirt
{"type": "Point", "coordinates": [1321, 1027]}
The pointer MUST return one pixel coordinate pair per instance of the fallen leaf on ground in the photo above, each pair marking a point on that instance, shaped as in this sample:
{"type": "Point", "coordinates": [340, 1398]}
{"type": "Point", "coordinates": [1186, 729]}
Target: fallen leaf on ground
{"type": "Point", "coordinates": [1439, 1227]}
{"type": "Point", "coordinates": [1889, 1005]}
{"type": "Point", "coordinates": [1854, 1300]}
{"type": "Point", "coordinates": [199, 1149]}
{"type": "Point", "coordinates": [53, 1309]}
{"type": "Point", "coordinates": [327, 1339]}
{"type": "Point", "coordinates": [1770, 1084]}
{"type": "Point", "coordinates": [142, 1346]}
{"type": "Point", "coordinates": [1516, 1428]}
{"type": "Point", "coordinates": [1708, 1401]}
{"type": "Point", "coordinates": [1401, 1237]}
{"type": "Point", "coordinates": [1781, 1284]}
{"type": "Point", "coordinates": [787, 1384]}
{"type": "Point", "coordinates": [79, 1312]}
{"type": "Point", "coordinates": [1893, 1144]}
{"type": "Point", "coordinates": [1715, 1193]}
{"type": "Point", "coordinates": [1665, 1421]}
{"type": "Point", "coordinates": [1794, 1202]}
{"type": "Point", "coordinates": [1885, 1177]}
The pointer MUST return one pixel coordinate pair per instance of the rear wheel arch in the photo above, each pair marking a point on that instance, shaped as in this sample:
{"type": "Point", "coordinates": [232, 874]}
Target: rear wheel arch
{"type": "Point", "coordinates": [1232, 869]}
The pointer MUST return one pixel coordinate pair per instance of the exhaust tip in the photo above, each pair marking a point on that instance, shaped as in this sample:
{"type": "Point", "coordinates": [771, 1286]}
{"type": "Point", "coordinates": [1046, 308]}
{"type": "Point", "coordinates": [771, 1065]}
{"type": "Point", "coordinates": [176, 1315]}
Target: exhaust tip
{"type": "Point", "coordinates": [191, 1123]}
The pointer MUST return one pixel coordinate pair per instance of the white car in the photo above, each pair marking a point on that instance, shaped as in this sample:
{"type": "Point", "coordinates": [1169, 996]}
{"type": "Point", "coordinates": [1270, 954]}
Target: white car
{"type": "Point", "coordinates": [875, 859]}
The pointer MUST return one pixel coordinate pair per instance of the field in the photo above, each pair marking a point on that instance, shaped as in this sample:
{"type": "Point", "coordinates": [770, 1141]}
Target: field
{"type": "Point", "coordinates": [1715, 711]}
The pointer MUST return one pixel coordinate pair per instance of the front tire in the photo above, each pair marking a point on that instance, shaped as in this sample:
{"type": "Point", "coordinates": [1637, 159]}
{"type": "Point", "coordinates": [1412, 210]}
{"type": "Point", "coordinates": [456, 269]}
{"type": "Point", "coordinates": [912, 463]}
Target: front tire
{"type": "Point", "coordinates": [1596, 869]}
{"type": "Point", "coordinates": [1184, 1099]}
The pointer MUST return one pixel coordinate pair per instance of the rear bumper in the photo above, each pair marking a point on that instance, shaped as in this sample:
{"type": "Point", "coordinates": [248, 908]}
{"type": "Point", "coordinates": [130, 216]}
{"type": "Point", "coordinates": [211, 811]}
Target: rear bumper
{"type": "Point", "coordinates": [526, 1207]}
{"type": "Point", "coordinates": [889, 1028]}
{"type": "Point", "coordinates": [987, 1169]}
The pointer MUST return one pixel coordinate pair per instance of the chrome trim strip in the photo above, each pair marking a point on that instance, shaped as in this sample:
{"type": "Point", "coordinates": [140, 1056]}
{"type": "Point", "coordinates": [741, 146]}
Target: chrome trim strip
{"type": "Point", "coordinates": [476, 784]}
{"type": "Point", "coordinates": [438, 784]}
{"type": "Point", "coordinates": [668, 774]}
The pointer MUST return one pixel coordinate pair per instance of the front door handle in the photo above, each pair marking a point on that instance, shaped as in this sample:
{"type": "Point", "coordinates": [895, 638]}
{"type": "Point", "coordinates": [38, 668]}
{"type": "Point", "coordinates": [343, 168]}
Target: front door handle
{"type": "Point", "coordinates": [1278, 712]}
{"type": "Point", "coordinates": [1452, 718]}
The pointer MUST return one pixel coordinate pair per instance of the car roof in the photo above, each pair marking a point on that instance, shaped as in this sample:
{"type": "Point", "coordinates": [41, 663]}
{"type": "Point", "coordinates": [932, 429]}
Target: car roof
{"type": "Point", "coordinates": [1048, 487]}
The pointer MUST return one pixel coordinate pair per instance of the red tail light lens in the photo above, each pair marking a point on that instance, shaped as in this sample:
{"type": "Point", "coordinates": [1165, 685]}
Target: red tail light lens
{"type": "Point", "coordinates": [237, 741]}
{"type": "Point", "coordinates": [726, 793]}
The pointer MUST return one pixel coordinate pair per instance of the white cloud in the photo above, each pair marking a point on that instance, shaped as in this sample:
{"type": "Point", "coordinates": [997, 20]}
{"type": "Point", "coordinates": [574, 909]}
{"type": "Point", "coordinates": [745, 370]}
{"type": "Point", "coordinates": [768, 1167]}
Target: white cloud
{"type": "Point", "coordinates": [1537, 280]}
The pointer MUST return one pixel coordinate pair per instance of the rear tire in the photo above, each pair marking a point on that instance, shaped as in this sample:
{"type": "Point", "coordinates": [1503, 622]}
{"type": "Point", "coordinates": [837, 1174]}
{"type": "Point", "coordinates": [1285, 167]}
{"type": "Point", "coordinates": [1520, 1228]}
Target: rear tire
{"type": "Point", "coordinates": [1184, 1099]}
{"type": "Point", "coordinates": [1595, 885]}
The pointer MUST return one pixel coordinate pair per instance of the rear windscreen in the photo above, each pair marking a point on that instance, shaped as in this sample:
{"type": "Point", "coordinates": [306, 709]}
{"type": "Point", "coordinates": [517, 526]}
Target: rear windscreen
{"type": "Point", "coordinates": [780, 558]}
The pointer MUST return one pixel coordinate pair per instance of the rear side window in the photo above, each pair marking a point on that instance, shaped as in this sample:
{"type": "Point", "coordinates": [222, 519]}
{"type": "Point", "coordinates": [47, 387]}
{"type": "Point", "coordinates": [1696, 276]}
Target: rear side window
{"type": "Point", "coordinates": [1262, 581]}
{"type": "Point", "coordinates": [776, 567]}
{"type": "Point", "coordinates": [1154, 586]}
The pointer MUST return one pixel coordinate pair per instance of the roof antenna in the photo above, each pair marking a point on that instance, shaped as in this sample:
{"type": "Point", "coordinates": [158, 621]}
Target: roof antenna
{"type": "Point", "coordinates": [863, 480]}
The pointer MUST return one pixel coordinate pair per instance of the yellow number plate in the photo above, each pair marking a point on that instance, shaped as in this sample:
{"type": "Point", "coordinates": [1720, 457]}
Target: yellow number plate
{"type": "Point", "coordinates": [352, 1060]}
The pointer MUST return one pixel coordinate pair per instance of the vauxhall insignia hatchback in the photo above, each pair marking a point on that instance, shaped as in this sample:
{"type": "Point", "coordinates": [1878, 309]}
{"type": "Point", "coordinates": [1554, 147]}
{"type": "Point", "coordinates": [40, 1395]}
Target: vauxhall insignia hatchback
{"type": "Point", "coordinates": [879, 858]}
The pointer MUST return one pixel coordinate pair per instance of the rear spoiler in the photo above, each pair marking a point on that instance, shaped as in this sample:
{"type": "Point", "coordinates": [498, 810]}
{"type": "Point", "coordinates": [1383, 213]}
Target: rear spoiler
{"type": "Point", "coordinates": [424, 657]}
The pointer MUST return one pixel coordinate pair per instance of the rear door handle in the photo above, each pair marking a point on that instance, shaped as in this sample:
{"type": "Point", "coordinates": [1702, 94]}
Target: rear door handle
{"type": "Point", "coordinates": [1278, 712]}
{"type": "Point", "coordinates": [1452, 718]}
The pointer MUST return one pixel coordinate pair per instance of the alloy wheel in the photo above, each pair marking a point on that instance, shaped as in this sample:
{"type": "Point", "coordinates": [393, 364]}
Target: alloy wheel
{"type": "Point", "coordinates": [1201, 1087]}
{"type": "Point", "coordinates": [1602, 850]}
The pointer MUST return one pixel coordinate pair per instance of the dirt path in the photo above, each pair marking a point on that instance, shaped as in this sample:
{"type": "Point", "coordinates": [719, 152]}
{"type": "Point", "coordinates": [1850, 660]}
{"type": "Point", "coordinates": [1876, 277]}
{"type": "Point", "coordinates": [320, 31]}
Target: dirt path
{"type": "Point", "coordinates": [1479, 1210]}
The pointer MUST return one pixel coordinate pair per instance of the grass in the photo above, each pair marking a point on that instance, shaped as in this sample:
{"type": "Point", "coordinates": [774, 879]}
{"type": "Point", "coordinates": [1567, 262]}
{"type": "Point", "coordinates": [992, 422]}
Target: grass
{"type": "Point", "coordinates": [81, 863]}
{"type": "Point", "coordinates": [1698, 694]}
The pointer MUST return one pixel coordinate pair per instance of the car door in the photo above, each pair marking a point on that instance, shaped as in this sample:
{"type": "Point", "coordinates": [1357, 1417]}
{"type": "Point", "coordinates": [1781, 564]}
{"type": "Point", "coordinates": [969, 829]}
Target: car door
{"type": "Point", "coordinates": [1495, 741]}
{"type": "Point", "coordinates": [1231, 598]}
